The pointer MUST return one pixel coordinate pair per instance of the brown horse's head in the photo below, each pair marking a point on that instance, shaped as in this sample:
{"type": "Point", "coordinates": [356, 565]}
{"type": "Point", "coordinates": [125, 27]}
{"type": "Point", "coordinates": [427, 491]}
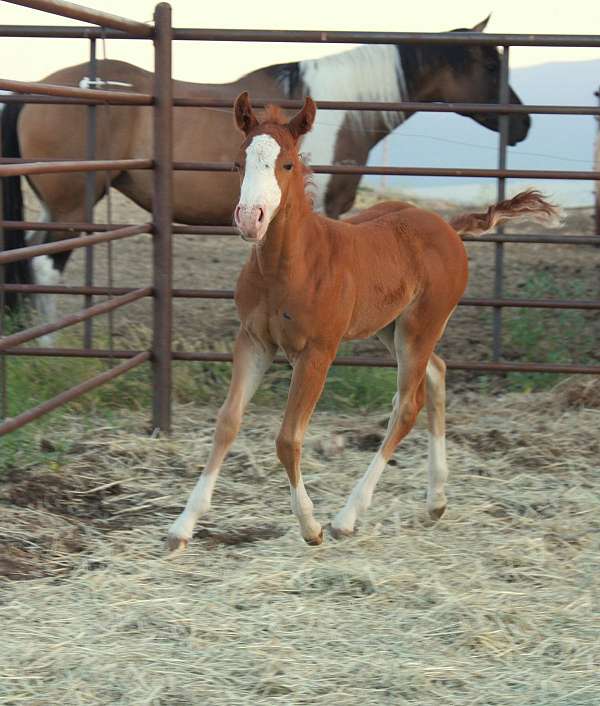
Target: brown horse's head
{"type": "Point", "coordinates": [268, 163]}
{"type": "Point", "coordinates": [468, 73]}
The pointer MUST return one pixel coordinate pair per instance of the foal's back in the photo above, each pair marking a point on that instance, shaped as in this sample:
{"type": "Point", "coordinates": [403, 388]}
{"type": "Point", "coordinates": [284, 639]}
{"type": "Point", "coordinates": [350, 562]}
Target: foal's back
{"type": "Point", "coordinates": [401, 256]}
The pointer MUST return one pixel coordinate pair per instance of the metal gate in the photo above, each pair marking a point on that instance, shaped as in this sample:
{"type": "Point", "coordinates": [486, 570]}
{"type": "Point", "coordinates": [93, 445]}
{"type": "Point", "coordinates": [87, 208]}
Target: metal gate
{"type": "Point", "coordinates": [161, 355]}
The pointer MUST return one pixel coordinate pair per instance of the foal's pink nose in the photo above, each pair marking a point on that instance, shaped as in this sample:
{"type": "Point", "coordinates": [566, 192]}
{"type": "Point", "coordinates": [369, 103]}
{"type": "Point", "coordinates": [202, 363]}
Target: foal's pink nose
{"type": "Point", "coordinates": [250, 220]}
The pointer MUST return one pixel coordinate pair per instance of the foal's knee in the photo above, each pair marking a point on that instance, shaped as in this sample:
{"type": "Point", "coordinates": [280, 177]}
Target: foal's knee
{"type": "Point", "coordinates": [409, 408]}
{"type": "Point", "coordinates": [229, 420]}
{"type": "Point", "coordinates": [406, 416]}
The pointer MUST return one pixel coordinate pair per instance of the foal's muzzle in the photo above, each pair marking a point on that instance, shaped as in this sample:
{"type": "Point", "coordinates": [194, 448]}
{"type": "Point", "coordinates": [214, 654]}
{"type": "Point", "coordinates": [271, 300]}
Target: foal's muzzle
{"type": "Point", "coordinates": [252, 222]}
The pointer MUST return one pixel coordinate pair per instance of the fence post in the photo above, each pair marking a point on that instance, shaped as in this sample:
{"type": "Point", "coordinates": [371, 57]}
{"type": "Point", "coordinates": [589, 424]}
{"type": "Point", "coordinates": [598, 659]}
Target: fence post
{"type": "Point", "coordinates": [504, 97]}
{"type": "Point", "coordinates": [90, 195]}
{"type": "Point", "coordinates": [3, 383]}
{"type": "Point", "coordinates": [162, 218]}
{"type": "Point", "coordinates": [597, 169]}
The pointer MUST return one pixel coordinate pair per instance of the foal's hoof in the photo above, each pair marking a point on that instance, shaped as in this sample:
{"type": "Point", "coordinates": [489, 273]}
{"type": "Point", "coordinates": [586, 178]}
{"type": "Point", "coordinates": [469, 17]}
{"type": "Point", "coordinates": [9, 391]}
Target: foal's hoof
{"type": "Point", "coordinates": [315, 541]}
{"type": "Point", "coordinates": [176, 544]}
{"type": "Point", "coordinates": [436, 512]}
{"type": "Point", "coordinates": [340, 533]}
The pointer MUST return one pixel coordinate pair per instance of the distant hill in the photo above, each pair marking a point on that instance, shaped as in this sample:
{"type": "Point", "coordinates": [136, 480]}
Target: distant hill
{"type": "Point", "coordinates": [554, 141]}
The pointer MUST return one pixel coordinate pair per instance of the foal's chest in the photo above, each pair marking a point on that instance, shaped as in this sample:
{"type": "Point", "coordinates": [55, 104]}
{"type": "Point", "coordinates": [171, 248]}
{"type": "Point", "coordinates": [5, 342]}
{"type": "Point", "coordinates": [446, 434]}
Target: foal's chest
{"type": "Point", "coordinates": [287, 329]}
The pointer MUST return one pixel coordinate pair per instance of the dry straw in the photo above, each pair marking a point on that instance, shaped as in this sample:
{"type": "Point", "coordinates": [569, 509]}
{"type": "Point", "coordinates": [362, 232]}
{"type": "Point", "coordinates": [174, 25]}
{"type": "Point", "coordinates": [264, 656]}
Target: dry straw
{"type": "Point", "coordinates": [495, 605]}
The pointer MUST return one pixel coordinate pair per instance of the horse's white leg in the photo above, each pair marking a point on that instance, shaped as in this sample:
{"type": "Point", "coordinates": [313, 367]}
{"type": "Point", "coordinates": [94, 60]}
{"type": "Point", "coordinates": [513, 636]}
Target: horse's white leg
{"type": "Point", "coordinates": [406, 405]}
{"type": "Point", "coordinates": [250, 361]}
{"type": "Point", "coordinates": [45, 274]}
{"type": "Point", "coordinates": [436, 420]}
{"type": "Point", "coordinates": [308, 379]}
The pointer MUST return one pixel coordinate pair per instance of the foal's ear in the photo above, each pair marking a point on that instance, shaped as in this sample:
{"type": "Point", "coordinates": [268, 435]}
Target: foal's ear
{"type": "Point", "coordinates": [303, 121]}
{"type": "Point", "coordinates": [482, 25]}
{"type": "Point", "coordinates": [244, 115]}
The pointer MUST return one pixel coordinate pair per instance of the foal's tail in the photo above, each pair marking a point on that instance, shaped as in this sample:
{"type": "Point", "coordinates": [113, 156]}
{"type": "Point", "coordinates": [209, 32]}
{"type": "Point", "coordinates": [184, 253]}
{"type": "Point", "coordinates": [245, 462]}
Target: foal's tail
{"type": "Point", "coordinates": [19, 272]}
{"type": "Point", "coordinates": [528, 204]}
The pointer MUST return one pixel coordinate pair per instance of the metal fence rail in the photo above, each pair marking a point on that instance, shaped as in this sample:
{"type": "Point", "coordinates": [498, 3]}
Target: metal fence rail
{"type": "Point", "coordinates": [161, 102]}
{"type": "Point", "coordinates": [160, 227]}
{"type": "Point", "coordinates": [361, 361]}
{"type": "Point", "coordinates": [85, 14]}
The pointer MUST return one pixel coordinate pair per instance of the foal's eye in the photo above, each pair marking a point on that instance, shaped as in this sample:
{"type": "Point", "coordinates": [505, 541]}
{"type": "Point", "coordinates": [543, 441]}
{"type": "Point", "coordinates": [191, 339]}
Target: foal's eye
{"type": "Point", "coordinates": [288, 167]}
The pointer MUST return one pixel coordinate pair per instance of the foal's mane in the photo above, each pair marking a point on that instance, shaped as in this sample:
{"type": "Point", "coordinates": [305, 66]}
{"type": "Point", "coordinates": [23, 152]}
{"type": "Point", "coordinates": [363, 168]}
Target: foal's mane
{"type": "Point", "coordinates": [274, 115]}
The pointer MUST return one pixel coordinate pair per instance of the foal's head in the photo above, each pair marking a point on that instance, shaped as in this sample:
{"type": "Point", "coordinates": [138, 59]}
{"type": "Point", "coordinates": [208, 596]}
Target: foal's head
{"type": "Point", "coordinates": [269, 164]}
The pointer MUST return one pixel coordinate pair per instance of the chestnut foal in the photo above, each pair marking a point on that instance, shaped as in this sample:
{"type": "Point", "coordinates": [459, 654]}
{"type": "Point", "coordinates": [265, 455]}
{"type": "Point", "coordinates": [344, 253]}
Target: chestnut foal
{"type": "Point", "coordinates": [394, 271]}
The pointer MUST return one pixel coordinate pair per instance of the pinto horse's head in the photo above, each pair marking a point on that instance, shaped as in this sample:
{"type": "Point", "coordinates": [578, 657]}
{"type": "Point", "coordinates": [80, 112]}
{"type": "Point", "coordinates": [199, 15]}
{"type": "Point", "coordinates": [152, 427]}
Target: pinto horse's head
{"type": "Point", "coordinates": [468, 73]}
{"type": "Point", "coordinates": [268, 163]}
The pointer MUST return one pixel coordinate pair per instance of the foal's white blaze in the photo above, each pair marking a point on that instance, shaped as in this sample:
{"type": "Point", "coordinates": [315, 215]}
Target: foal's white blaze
{"type": "Point", "coordinates": [260, 194]}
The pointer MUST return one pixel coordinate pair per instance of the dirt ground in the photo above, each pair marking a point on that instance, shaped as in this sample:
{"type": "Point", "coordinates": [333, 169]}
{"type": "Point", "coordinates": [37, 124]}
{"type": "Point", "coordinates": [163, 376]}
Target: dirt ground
{"type": "Point", "coordinates": [531, 271]}
{"type": "Point", "coordinates": [496, 604]}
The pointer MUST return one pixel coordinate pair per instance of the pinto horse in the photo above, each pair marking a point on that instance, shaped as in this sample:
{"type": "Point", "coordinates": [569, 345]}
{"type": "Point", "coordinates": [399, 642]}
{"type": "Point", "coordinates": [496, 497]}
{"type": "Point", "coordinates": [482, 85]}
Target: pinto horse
{"type": "Point", "coordinates": [369, 73]}
{"type": "Point", "coordinates": [394, 271]}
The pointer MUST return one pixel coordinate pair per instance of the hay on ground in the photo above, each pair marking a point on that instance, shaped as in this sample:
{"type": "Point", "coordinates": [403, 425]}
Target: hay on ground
{"type": "Point", "coordinates": [497, 604]}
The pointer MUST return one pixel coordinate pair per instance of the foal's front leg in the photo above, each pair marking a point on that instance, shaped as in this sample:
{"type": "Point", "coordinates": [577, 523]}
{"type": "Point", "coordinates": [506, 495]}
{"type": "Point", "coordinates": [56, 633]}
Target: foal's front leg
{"type": "Point", "coordinates": [250, 362]}
{"type": "Point", "coordinates": [308, 379]}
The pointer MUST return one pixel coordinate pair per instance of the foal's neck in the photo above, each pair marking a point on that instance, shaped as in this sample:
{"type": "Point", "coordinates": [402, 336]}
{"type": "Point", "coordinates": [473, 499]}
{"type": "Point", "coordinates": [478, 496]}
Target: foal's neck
{"type": "Point", "coordinates": [283, 251]}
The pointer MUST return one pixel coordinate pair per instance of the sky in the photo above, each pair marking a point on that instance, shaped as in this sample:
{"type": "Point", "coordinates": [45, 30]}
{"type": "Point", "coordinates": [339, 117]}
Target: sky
{"type": "Point", "coordinates": [33, 59]}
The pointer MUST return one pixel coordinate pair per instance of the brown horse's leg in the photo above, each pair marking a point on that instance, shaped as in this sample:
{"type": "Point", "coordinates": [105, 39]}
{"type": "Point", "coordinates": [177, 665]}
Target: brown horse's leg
{"type": "Point", "coordinates": [413, 351]}
{"type": "Point", "coordinates": [250, 362]}
{"type": "Point", "coordinates": [44, 273]}
{"type": "Point", "coordinates": [308, 379]}
{"type": "Point", "coordinates": [62, 199]}
{"type": "Point", "coordinates": [437, 467]}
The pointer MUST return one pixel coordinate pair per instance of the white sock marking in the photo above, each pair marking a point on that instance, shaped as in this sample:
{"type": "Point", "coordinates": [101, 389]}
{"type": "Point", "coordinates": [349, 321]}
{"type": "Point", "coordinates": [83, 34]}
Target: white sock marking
{"type": "Point", "coordinates": [437, 467]}
{"type": "Point", "coordinates": [361, 496]}
{"type": "Point", "coordinates": [198, 504]}
{"type": "Point", "coordinates": [302, 507]}
{"type": "Point", "coordinates": [437, 472]}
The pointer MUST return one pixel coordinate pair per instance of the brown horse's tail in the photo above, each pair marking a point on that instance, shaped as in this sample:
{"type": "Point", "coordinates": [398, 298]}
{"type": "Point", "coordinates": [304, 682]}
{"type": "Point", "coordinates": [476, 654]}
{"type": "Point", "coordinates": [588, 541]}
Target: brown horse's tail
{"type": "Point", "coordinates": [19, 272]}
{"type": "Point", "coordinates": [528, 204]}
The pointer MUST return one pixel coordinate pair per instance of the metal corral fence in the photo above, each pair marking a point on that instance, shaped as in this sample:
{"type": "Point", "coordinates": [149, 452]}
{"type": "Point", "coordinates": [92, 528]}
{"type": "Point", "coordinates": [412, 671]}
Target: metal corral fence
{"type": "Point", "coordinates": [161, 229]}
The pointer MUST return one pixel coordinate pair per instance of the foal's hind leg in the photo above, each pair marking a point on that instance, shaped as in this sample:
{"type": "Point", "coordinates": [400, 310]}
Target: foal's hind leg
{"type": "Point", "coordinates": [413, 353]}
{"type": "Point", "coordinates": [437, 467]}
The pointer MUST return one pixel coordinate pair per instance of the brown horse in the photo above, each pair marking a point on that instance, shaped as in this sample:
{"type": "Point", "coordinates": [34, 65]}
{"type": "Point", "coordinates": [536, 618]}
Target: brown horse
{"type": "Point", "coordinates": [394, 271]}
{"type": "Point", "coordinates": [369, 73]}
